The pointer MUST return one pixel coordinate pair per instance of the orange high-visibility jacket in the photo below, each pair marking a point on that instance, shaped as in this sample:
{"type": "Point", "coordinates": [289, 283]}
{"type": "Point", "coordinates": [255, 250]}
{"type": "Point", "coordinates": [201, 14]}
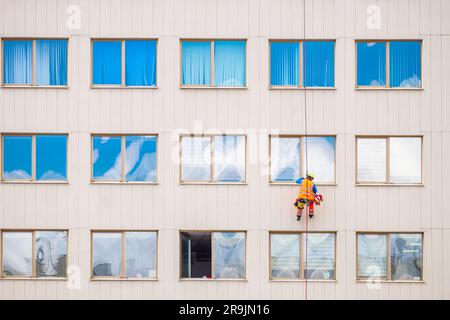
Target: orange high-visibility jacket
{"type": "Point", "coordinates": [306, 190]}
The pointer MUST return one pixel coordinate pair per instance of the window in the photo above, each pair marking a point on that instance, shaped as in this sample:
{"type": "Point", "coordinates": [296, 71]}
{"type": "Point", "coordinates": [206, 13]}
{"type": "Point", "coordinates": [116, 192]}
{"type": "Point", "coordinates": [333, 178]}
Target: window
{"type": "Point", "coordinates": [389, 160]}
{"type": "Point", "coordinates": [213, 159]}
{"type": "Point", "coordinates": [315, 64]}
{"type": "Point", "coordinates": [129, 63]}
{"type": "Point", "coordinates": [124, 158]}
{"type": "Point", "coordinates": [388, 64]}
{"type": "Point", "coordinates": [216, 255]}
{"type": "Point", "coordinates": [213, 63]}
{"type": "Point", "coordinates": [41, 158]}
{"type": "Point", "coordinates": [302, 255]}
{"type": "Point", "coordinates": [34, 254]}
{"type": "Point", "coordinates": [390, 256]}
{"type": "Point", "coordinates": [288, 158]}
{"type": "Point", "coordinates": [124, 254]}
{"type": "Point", "coordinates": [40, 62]}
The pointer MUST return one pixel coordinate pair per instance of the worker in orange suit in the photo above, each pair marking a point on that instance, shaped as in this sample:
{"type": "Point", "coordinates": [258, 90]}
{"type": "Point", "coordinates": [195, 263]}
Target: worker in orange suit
{"type": "Point", "coordinates": [306, 195]}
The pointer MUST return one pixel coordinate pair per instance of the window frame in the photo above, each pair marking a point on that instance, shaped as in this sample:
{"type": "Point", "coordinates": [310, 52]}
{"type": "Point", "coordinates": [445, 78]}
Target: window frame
{"type": "Point", "coordinates": [302, 254]}
{"type": "Point", "coordinates": [122, 150]}
{"type": "Point", "coordinates": [387, 86]}
{"type": "Point", "coordinates": [387, 181]}
{"type": "Point", "coordinates": [180, 253]}
{"type": "Point", "coordinates": [33, 63]}
{"type": "Point", "coordinates": [33, 179]}
{"type": "Point", "coordinates": [301, 66]}
{"type": "Point", "coordinates": [301, 158]}
{"type": "Point", "coordinates": [388, 277]}
{"type": "Point", "coordinates": [33, 254]}
{"type": "Point", "coordinates": [122, 85]}
{"type": "Point", "coordinates": [211, 181]}
{"type": "Point", "coordinates": [211, 80]}
{"type": "Point", "coordinates": [122, 276]}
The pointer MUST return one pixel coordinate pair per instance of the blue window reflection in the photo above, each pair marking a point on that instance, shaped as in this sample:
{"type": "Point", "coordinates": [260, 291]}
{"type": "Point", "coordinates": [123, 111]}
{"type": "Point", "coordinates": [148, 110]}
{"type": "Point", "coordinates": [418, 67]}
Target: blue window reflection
{"type": "Point", "coordinates": [196, 63]}
{"type": "Point", "coordinates": [140, 62]}
{"type": "Point", "coordinates": [51, 62]}
{"type": "Point", "coordinates": [51, 157]}
{"type": "Point", "coordinates": [107, 158]}
{"type": "Point", "coordinates": [371, 63]}
{"type": "Point", "coordinates": [17, 61]}
{"type": "Point", "coordinates": [140, 158]}
{"type": "Point", "coordinates": [404, 64]}
{"type": "Point", "coordinates": [17, 157]}
{"type": "Point", "coordinates": [229, 63]}
{"type": "Point", "coordinates": [284, 63]}
{"type": "Point", "coordinates": [107, 62]}
{"type": "Point", "coordinates": [318, 63]}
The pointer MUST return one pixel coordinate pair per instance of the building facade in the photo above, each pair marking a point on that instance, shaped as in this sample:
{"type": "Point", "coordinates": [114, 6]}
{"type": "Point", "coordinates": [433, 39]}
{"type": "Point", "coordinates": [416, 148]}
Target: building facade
{"type": "Point", "coordinates": [364, 122]}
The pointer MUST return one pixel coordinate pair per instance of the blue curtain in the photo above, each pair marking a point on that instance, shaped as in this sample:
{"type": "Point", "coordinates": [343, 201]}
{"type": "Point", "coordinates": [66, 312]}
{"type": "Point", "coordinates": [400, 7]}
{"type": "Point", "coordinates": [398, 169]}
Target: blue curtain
{"type": "Point", "coordinates": [371, 63]}
{"type": "Point", "coordinates": [107, 62]}
{"type": "Point", "coordinates": [140, 62]}
{"type": "Point", "coordinates": [196, 63]}
{"type": "Point", "coordinates": [229, 63]}
{"type": "Point", "coordinates": [284, 64]}
{"type": "Point", "coordinates": [404, 64]}
{"type": "Point", "coordinates": [51, 62]}
{"type": "Point", "coordinates": [318, 63]}
{"type": "Point", "coordinates": [17, 61]}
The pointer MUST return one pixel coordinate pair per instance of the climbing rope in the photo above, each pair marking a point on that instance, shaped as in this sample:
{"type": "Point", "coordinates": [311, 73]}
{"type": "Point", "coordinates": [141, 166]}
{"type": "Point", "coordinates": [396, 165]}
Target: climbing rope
{"type": "Point", "coordinates": [306, 213]}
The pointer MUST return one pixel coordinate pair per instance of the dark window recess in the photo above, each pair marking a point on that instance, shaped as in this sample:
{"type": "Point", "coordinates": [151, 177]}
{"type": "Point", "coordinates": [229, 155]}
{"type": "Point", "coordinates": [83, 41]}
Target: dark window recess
{"type": "Point", "coordinates": [196, 255]}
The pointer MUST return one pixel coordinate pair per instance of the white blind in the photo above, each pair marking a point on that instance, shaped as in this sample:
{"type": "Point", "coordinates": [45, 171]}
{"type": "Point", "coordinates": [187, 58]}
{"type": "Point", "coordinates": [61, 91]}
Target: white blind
{"type": "Point", "coordinates": [285, 255]}
{"type": "Point", "coordinates": [319, 262]}
{"type": "Point", "coordinates": [405, 160]}
{"type": "Point", "coordinates": [371, 160]}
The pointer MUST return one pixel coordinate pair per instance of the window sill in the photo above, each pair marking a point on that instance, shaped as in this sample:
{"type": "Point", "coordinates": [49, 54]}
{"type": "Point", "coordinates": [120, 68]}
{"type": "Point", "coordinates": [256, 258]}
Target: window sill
{"type": "Point", "coordinates": [300, 88]}
{"type": "Point", "coordinates": [389, 185]}
{"type": "Point", "coordinates": [211, 279]}
{"type": "Point", "coordinates": [213, 87]}
{"type": "Point", "coordinates": [295, 184]}
{"type": "Point", "coordinates": [304, 280]}
{"type": "Point", "coordinates": [388, 88]}
{"type": "Point", "coordinates": [213, 183]}
{"type": "Point", "coordinates": [123, 183]}
{"type": "Point", "coordinates": [121, 279]}
{"type": "Point", "coordinates": [122, 87]}
{"type": "Point", "coordinates": [390, 281]}
{"type": "Point", "coordinates": [33, 182]}
{"type": "Point", "coordinates": [35, 278]}
{"type": "Point", "coordinates": [16, 86]}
